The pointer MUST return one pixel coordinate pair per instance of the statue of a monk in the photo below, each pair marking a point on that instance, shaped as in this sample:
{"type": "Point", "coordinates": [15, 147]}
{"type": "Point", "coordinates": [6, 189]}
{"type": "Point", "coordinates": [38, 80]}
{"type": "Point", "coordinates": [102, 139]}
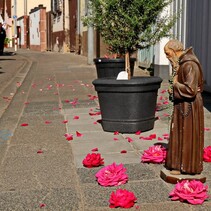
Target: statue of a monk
{"type": "Point", "coordinates": [186, 141]}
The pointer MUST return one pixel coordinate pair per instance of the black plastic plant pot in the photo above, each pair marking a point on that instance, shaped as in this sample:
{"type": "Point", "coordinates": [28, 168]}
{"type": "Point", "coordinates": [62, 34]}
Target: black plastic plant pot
{"type": "Point", "coordinates": [128, 106]}
{"type": "Point", "coordinates": [112, 67]}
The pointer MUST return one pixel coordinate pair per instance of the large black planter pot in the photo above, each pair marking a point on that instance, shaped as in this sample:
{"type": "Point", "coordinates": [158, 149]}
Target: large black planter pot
{"type": "Point", "coordinates": [111, 67]}
{"type": "Point", "coordinates": [128, 106]}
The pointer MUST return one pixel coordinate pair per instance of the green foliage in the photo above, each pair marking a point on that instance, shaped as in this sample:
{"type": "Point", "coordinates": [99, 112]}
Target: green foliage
{"type": "Point", "coordinates": [7, 40]}
{"type": "Point", "coordinates": [126, 25]}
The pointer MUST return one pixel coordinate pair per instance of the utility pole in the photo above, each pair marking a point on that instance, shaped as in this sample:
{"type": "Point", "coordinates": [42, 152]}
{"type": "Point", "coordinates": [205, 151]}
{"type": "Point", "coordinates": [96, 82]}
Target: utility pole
{"type": "Point", "coordinates": [15, 25]}
{"type": "Point", "coordinates": [25, 7]}
{"type": "Point", "coordinates": [90, 41]}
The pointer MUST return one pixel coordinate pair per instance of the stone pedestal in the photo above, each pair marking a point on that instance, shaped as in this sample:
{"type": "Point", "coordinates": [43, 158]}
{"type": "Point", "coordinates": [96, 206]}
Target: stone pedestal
{"type": "Point", "coordinates": [173, 179]}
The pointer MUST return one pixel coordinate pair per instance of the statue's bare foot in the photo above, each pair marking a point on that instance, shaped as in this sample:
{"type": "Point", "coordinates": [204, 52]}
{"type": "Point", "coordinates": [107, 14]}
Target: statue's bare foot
{"type": "Point", "coordinates": [175, 172]}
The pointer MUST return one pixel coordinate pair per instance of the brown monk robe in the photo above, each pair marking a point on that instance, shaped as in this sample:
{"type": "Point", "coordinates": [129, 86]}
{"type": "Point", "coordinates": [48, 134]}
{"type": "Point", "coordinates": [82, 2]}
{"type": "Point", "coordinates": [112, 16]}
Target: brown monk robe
{"type": "Point", "coordinates": [186, 142]}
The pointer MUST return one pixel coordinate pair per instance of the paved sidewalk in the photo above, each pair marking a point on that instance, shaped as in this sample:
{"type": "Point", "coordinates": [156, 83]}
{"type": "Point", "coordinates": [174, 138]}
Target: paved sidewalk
{"type": "Point", "coordinates": [41, 170]}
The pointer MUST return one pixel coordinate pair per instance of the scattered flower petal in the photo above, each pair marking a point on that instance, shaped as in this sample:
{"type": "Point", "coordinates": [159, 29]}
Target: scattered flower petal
{"type": "Point", "coordinates": [92, 97]}
{"type": "Point", "coordinates": [94, 113]}
{"type": "Point", "coordinates": [74, 102]}
{"type": "Point", "coordinates": [145, 138]}
{"type": "Point", "coordinates": [93, 160]}
{"type": "Point", "coordinates": [47, 122]}
{"type": "Point", "coordinates": [138, 132]}
{"type": "Point", "coordinates": [78, 134]}
{"type": "Point", "coordinates": [69, 137]}
{"type": "Point", "coordinates": [122, 198]}
{"type": "Point", "coordinates": [65, 121]}
{"type": "Point", "coordinates": [124, 151]}
{"type": "Point", "coordinates": [112, 175]}
{"type": "Point", "coordinates": [116, 133]}
{"type": "Point", "coordinates": [153, 136]}
{"type": "Point", "coordinates": [193, 192]}
{"type": "Point", "coordinates": [24, 124]}
{"type": "Point", "coordinates": [207, 129]}
{"type": "Point", "coordinates": [116, 139]}
{"type": "Point", "coordinates": [129, 139]}
{"type": "Point", "coordinates": [42, 205]}
{"type": "Point", "coordinates": [76, 117]}
{"type": "Point", "coordinates": [94, 149]}
{"type": "Point", "coordinates": [39, 151]}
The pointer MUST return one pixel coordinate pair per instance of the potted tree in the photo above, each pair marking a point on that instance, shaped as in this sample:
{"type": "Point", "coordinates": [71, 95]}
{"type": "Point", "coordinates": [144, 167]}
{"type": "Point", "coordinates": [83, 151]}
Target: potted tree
{"type": "Point", "coordinates": [125, 26]}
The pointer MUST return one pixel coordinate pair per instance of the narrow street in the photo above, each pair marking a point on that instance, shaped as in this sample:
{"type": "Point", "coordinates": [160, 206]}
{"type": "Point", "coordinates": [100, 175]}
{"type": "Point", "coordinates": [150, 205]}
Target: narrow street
{"type": "Point", "coordinates": [47, 95]}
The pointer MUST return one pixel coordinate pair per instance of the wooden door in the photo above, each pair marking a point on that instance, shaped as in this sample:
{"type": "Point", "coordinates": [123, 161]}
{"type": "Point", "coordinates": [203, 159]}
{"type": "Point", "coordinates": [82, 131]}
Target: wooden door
{"type": "Point", "coordinates": [49, 31]}
{"type": "Point", "coordinates": [73, 24]}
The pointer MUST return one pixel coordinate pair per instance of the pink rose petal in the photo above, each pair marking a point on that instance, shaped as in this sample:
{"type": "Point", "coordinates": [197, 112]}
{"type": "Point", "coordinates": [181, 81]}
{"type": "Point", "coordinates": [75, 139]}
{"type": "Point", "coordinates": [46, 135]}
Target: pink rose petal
{"type": "Point", "coordinates": [76, 117]}
{"type": "Point", "coordinates": [153, 136]}
{"type": "Point", "coordinates": [69, 137]}
{"type": "Point", "coordinates": [94, 113]}
{"type": "Point", "coordinates": [138, 132]}
{"type": "Point", "coordinates": [65, 121]}
{"type": "Point", "coordinates": [74, 102]}
{"type": "Point", "coordinates": [47, 122]}
{"type": "Point", "coordinates": [95, 149]}
{"type": "Point", "coordinates": [129, 139]}
{"type": "Point", "coordinates": [39, 151]}
{"type": "Point", "coordinates": [78, 134]}
{"type": "Point", "coordinates": [42, 205]}
{"type": "Point", "coordinates": [116, 133]}
{"type": "Point", "coordinates": [24, 124]}
{"type": "Point", "coordinates": [116, 139]}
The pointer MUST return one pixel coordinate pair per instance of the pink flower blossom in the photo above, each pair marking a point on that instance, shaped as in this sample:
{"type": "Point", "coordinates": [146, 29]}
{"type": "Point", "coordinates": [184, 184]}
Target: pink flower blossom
{"type": "Point", "coordinates": [93, 160]}
{"type": "Point", "coordinates": [207, 154]}
{"type": "Point", "coordinates": [112, 175]}
{"type": "Point", "coordinates": [155, 154]}
{"type": "Point", "coordinates": [193, 192]}
{"type": "Point", "coordinates": [122, 198]}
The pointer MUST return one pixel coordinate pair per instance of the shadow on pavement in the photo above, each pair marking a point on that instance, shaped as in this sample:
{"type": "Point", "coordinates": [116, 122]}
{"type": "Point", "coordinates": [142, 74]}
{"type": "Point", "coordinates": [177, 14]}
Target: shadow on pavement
{"type": "Point", "coordinates": [207, 100]}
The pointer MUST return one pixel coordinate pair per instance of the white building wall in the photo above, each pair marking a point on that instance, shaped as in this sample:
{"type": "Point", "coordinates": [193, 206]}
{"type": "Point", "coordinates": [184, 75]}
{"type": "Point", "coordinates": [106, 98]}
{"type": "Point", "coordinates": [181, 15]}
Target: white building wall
{"type": "Point", "coordinates": [58, 23]}
{"type": "Point", "coordinates": [34, 19]}
{"type": "Point", "coordinates": [30, 4]}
